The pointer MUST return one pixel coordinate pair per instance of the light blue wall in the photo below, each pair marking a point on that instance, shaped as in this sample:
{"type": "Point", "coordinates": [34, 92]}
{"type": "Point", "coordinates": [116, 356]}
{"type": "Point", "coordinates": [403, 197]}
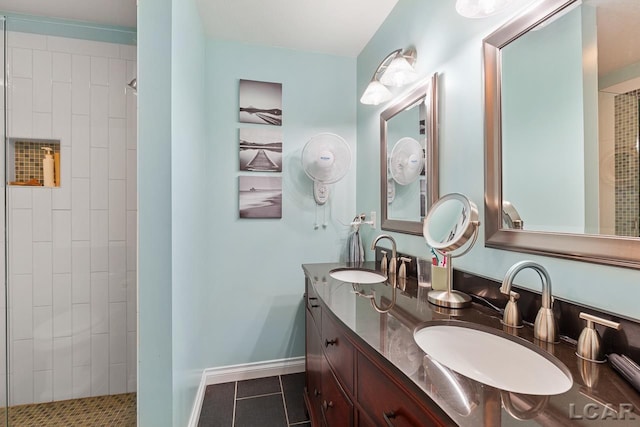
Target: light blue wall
{"type": "Point", "coordinates": [191, 251]}
{"type": "Point", "coordinates": [215, 290]}
{"type": "Point", "coordinates": [67, 28]}
{"type": "Point", "coordinates": [550, 137]}
{"type": "Point", "coordinates": [590, 94]}
{"type": "Point", "coordinates": [451, 45]}
{"type": "Point", "coordinates": [173, 211]}
{"type": "Point", "coordinates": [622, 75]}
{"type": "Point", "coordinates": [256, 310]}
{"type": "Point", "coordinates": [155, 401]}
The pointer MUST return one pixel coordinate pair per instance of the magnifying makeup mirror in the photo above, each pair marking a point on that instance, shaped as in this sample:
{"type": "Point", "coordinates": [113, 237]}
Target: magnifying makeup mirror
{"type": "Point", "coordinates": [452, 224]}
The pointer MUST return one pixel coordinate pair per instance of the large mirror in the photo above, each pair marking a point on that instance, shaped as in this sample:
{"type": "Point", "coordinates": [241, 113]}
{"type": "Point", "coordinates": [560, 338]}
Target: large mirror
{"type": "Point", "coordinates": [409, 159]}
{"type": "Point", "coordinates": [562, 97]}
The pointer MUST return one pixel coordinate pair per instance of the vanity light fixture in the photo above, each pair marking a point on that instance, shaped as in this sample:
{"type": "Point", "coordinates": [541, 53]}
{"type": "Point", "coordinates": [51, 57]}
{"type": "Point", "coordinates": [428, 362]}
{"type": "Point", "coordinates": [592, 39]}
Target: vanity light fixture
{"type": "Point", "coordinates": [396, 70]}
{"type": "Point", "coordinates": [480, 8]}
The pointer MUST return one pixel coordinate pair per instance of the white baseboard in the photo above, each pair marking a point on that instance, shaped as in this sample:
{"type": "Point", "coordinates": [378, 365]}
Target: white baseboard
{"type": "Point", "coordinates": [197, 403]}
{"type": "Point", "coordinates": [247, 371]}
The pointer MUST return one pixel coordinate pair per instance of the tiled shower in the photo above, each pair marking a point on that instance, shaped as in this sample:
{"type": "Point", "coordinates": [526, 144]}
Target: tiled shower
{"type": "Point", "coordinates": [71, 249]}
{"type": "Point", "coordinates": [627, 189]}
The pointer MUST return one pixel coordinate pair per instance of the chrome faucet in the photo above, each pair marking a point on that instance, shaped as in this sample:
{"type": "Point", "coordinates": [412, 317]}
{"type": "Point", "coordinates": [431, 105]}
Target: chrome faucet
{"type": "Point", "coordinates": [394, 254]}
{"type": "Point", "coordinates": [544, 328]}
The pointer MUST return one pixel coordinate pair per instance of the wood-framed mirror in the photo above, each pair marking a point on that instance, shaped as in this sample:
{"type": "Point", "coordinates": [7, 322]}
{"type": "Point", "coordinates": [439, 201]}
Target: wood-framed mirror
{"type": "Point", "coordinates": [409, 158]}
{"type": "Point", "coordinates": [562, 96]}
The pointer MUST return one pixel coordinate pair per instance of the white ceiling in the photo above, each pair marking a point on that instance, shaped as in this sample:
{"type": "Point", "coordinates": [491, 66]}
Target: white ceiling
{"type": "Point", "coordinates": [618, 34]}
{"type": "Point", "coordinates": [340, 27]}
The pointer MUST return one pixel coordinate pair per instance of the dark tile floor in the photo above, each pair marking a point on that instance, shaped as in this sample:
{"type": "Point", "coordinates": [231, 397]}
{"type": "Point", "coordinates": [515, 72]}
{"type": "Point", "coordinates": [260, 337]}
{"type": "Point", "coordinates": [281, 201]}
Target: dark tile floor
{"type": "Point", "coordinates": [263, 402]}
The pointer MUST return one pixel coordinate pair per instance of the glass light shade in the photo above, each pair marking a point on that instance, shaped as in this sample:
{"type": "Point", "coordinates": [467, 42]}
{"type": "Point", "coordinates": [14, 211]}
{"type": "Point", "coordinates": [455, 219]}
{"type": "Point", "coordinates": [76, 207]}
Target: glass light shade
{"type": "Point", "coordinates": [375, 93]}
{"type": "Point", "coordinates": [480, 8]}
{"type": "Point", "coordinates": [398, 73]}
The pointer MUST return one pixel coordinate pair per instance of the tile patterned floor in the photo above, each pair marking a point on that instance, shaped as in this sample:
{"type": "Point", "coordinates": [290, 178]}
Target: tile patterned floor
{"type": "Point", "coordinates": [109, 411]}
{"type": "Point", "coordinates": [264, 402]}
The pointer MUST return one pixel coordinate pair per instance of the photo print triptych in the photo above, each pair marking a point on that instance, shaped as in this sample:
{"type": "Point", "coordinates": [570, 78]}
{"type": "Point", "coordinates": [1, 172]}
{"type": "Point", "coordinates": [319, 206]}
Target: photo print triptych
{"type": "Point", "coordinates": [260, 149]}
{"type": "Point", "coordinates": [260, 196]}
{"type": "Point", "coordinates": [260, 102]}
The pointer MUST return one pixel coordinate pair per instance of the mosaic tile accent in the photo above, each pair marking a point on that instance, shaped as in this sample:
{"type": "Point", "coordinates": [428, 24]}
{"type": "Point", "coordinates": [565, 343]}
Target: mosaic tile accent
{"type": "Point", "coordinates": [627, 167]}
{"type": "Point", "coordinates": [28, 159]}
{"type": "Point", "coordinates": [113, 411]}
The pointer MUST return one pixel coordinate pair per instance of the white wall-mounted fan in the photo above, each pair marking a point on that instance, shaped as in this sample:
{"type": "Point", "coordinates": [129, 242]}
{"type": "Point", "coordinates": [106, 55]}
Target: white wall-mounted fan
{"type": "Point", "coordinates": [406, 161]}
{"type": "Point", "coordinates": [326, 159]}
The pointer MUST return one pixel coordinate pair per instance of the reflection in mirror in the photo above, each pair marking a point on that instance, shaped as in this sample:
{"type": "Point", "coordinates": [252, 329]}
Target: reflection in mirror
{"type": "Point", "coordinates": [451, 223]}
{"type": "Point", "coordinates": [510, 216]}
{"type": "Point", "coordinates": [408, 159]}
{"type": "Point", "coordinates": [562, 95]}
{"type": "Point", "coordinates": [550, 116]}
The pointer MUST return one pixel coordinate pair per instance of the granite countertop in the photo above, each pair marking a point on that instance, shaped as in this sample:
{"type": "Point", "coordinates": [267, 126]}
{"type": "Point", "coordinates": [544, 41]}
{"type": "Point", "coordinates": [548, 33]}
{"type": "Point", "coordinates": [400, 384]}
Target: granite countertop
{"type": "Point", "coordinates": [599, 396]}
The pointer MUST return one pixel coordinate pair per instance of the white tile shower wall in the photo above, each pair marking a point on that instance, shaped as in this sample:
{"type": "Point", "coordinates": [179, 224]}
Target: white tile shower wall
{"type": "Point", "coordinates": [72, 250]}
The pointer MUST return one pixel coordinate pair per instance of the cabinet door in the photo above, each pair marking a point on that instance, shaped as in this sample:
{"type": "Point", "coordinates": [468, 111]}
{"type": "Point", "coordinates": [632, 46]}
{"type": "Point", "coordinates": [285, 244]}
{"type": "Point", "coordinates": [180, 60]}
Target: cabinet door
{"type": "Point", "coordinates": [314, 361]}
{"type": "Point", "coordinates": [337, 409]}
{"type": "Point", "coordinates": [339, 351]}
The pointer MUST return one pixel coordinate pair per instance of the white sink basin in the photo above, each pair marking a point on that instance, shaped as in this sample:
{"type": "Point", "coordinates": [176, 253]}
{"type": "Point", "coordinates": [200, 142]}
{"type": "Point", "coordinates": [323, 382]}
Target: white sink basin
{"type": "Point", "coordinates": [493, 357]}
{"type": "Point", "coordinates": [357, 275]}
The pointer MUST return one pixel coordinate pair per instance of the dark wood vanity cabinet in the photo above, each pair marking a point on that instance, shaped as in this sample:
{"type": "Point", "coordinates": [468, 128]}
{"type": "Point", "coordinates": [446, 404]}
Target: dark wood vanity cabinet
{"type": "Point", "coordinates": [349, 384]}
{"type": "Point", "coordinates": [327, 403]}
{"type": "Point", "coordinates": [388, 404]}
{"type": "Point", "coordinates": [336, 407]}
{"type": "Point", "coordinates": [314, 366]}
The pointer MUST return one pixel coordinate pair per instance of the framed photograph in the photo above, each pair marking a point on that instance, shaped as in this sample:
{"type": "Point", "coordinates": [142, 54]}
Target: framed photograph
{"type": "Point", "coordinates": [260, 149]}
{"type": "Point", "coordinates": [260, 197]}
{"type": "Point", "coordinates": [260, 102]}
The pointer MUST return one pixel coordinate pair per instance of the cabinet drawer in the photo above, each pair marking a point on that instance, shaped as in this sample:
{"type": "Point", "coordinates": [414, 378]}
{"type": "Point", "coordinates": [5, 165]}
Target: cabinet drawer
{"type": "Point", "coordinates": [386, 403]}
{"type": "Point", "coordinates": [337, 409]}
{"type": "Point", "coordinates": [364, 420]}
{"type": "Point", "coordinates": [339, 351]}
{"type": "Point", "coordinates": [313, 304]}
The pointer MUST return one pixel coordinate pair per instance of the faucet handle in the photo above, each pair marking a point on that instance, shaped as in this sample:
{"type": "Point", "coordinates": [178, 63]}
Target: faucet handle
{"type": "Point", "coordinates": [589, 345]}
{"type": "Point", "coordinates": [512, 316]}
{"type": "Point", "coordinates": [392, 269]}
{"type": "Point", "coordinates": [384, 263]}
{"type": "Point", "coordinates": [402, 272]}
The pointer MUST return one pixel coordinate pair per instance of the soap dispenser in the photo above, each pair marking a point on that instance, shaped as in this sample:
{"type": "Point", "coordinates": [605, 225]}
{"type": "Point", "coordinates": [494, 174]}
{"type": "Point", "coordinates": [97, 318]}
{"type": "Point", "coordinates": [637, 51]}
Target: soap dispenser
{"type": "Point", "coordinates": [47, 167]}
{"type": "Point", "coordinates": [589, 345]}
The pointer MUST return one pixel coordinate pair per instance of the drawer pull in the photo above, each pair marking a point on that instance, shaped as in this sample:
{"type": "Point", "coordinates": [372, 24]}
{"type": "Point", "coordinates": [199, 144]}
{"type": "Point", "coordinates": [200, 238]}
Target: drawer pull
{"type": "Point", "coordinates": [327, 343]}
{"type": "Point", "coordinates": [316, 392]}
{"type": "Point", "coordinates": [314, 306]}
{"type": "Point", "coordinates": [328, 405]}
{"type": "Point", "coordinates": [388, 416]}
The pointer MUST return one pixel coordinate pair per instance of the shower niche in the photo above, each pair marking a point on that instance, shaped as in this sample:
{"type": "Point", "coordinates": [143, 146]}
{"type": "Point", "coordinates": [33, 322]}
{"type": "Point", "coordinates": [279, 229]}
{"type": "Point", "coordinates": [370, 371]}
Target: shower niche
{"type": "Point", "coordinates": [33, 162]}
